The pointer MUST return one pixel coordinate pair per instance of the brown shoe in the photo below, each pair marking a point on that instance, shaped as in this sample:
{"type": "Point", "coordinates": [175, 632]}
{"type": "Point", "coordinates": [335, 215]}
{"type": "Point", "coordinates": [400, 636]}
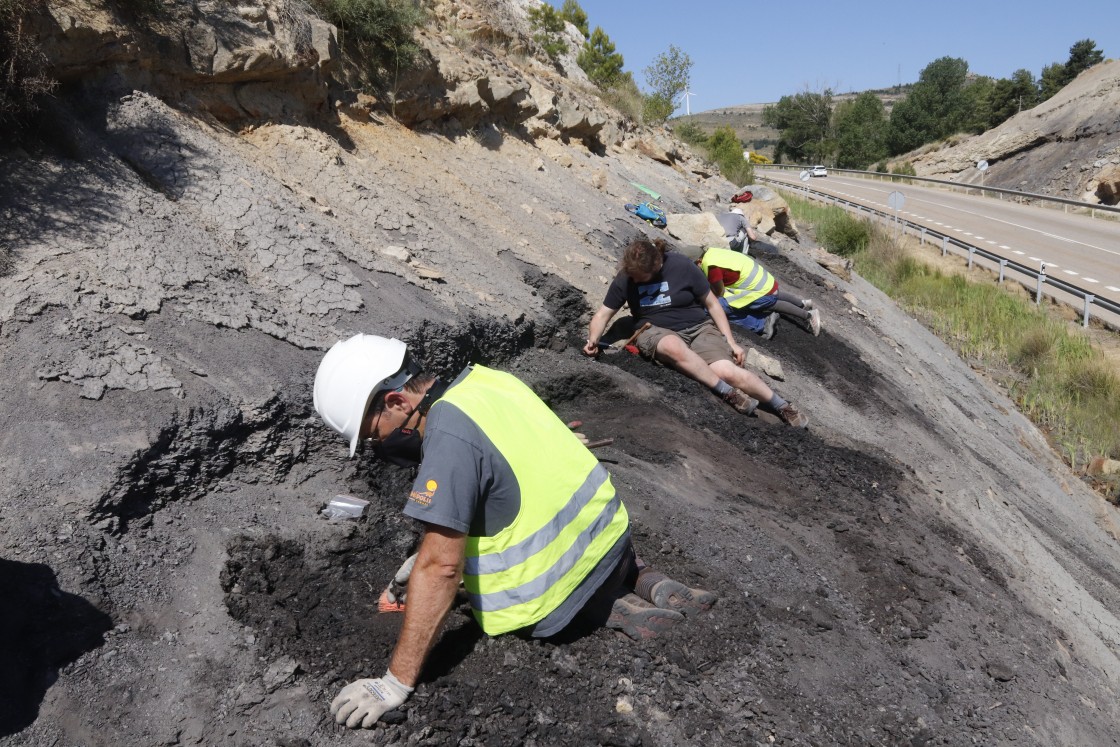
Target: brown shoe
{"type": "Point", "coordinates": [793, 417]}
{"type": "Point", "coordinates": [634, 617]}
{"type": "Point", "coordinates": [740, 401]}
{"type": "Point", "coordinates": [673, 595]}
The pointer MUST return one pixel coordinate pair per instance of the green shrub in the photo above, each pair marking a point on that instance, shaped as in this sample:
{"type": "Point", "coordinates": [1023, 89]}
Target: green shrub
{"type": "Point", "coordinates": [377, 32]}
{"type": "Point", "coordinates": [655, 108]}
{"type": "Point", "coordinates": [1033, 348]}
{"type": "Point", "coordinates": [690, 133]}
{"type": "Point", "coordinates": [23, 77]}
{"type": "Point", "coordinates": [906, 168]}
{"type": "Point", "coordinates": [726, 151]}
{"type": "Point", "coordinates": [842, 234]}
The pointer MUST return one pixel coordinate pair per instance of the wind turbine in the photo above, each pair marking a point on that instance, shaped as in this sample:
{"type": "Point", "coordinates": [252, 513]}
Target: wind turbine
{"type": "Point", "coordinates": [687, 108]}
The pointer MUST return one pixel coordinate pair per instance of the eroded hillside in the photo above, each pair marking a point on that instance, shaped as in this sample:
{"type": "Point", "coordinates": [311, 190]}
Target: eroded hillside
{"type": "Point", "coordinates": [915, 568]}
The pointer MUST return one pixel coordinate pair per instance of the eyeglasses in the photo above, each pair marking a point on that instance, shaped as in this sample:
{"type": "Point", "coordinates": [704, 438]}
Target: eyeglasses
{"type": "Point", "coordinates": [372, 434]}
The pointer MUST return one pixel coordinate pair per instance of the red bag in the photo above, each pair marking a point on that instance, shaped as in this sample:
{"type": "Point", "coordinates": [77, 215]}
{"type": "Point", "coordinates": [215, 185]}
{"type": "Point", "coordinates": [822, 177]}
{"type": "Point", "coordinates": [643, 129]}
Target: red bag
{"type": "Point", "coordinates": [745, 196]}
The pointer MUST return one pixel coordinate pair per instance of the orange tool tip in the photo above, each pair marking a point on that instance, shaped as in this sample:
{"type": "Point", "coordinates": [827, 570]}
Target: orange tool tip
{"type": "Point", "coordinates": [633, 349]}
{"type": "Point", "coordinates": [384, 605]}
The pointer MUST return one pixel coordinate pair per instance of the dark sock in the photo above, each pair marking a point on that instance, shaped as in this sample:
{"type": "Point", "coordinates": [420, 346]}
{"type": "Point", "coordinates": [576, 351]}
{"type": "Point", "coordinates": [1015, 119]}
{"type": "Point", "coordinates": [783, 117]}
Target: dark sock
{"type": "Point", "coordinates": [776, 403]}
{"type": "Point", "coordinates": [646, 581]}
{"type": "Point", "coordinates": [721, 388]}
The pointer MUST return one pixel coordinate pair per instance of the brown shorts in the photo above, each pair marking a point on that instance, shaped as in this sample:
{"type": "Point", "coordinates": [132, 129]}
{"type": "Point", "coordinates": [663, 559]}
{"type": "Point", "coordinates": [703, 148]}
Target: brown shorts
{"type": "Point", "coordinates": [704, 340]}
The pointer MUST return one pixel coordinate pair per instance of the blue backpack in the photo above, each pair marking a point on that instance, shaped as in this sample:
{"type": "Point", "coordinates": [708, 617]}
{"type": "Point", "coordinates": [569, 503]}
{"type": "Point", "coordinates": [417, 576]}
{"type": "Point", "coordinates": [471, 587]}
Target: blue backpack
{"type": "Point", "coordinates": [650, 213]}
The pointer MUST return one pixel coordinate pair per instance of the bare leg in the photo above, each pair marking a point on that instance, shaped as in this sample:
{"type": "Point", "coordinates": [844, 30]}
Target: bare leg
{"type": "Point", "coordinates": [673, 351]}
{"type": "Point", "coordinates": [740, 378]}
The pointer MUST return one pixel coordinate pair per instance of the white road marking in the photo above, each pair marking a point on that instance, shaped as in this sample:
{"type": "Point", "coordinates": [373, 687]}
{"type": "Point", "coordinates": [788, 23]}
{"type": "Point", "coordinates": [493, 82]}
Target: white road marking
{"type": "Point", "coordinates": [1113, 288]}
{"type": "Point", "coordinates": [1019, 225]}
{"type": "Point", "coordinates": [1015, 251]}
{"type": "Point", "coordinates": [1090, 280]}
{"type": "Point", "coordinates": [1068, 272]}
{"type": "Point", "coordinates": [979, 238]}
{"type": "Point", "coordinates": [989, 241]}
{"type": "Point", "coordinates": [1004, 246]}
{"type": "Point", "coordinates": [1034, 259]}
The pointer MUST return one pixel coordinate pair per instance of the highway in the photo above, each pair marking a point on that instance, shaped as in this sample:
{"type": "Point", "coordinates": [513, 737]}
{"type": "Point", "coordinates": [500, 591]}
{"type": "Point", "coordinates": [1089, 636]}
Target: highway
{"type": "Point", "coordinates": [1079, 249]}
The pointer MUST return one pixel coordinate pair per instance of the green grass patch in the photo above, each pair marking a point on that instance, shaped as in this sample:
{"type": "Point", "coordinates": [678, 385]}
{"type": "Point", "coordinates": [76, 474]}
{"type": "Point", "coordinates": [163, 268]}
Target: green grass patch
{"type": "Point", "coordinates": [1052, 371]}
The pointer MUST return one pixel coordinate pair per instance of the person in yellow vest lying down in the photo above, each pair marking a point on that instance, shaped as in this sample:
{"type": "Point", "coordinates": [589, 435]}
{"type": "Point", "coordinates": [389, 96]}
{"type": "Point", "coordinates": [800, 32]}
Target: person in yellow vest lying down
{"type": "Point", "coordinates": [748, 293]}
{"type": "Point", "coordinates": [513, 505]}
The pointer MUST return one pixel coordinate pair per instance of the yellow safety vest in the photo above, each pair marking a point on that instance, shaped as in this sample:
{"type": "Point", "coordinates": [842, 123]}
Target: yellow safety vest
{"type": "Point", "coordinates": [569, 518]}
{"type": "Point", "coordinates": [754, 281]}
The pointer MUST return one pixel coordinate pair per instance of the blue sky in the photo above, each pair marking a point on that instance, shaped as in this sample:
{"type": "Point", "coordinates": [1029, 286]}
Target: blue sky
{"type": "Point", "coordinates": [744, 53]}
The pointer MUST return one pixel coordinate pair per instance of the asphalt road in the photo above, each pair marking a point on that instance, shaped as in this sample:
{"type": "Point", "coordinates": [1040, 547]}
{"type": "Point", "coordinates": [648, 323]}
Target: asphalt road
{"type": "Point", "coordinates": [1076, 248]}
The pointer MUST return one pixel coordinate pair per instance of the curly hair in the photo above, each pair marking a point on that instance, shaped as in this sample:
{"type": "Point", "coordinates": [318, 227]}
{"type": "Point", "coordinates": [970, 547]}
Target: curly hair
{"type": "Point", "coordinates": [642, 256]}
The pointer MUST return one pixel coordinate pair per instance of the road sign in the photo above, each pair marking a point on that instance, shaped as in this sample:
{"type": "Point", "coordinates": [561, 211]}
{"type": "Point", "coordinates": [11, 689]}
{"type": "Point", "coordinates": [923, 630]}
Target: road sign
{"type": "Point", "coordinates": [895, 200]}
{"type": "Point", "coordinates": [804, 175]}
{"type": "Point", "coordinates": [982, 165]}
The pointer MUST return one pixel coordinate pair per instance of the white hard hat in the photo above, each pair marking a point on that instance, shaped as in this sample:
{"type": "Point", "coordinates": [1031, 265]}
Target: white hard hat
{"type": "Point", "coordinates": [351, 373]}
{"type": "Point", "coordinates": [737, 211]}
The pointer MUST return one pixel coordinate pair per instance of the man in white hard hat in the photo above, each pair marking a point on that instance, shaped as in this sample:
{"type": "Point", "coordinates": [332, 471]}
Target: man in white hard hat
{"type": "Point", "coordinates": [738, 230]}
{"type": "Point", "coordinates": [513, 505]}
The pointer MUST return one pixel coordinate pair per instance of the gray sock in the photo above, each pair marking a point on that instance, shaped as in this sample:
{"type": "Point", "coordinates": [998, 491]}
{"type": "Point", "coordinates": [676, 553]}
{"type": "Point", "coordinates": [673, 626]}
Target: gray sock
{"type": "Point", "coordinates": [721, 388]}
{"type": "Point", "coordinates": [776, 403]}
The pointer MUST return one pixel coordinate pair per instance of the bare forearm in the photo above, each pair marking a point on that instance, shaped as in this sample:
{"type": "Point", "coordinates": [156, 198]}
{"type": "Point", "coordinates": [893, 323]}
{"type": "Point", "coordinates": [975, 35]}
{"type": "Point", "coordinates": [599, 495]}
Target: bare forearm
{"type": "Point", "coordinates": [715, 310]}
{"type": "Point", "coordinates": [431, 591]}
{"type": "Point", "coordinates": [598, 324]}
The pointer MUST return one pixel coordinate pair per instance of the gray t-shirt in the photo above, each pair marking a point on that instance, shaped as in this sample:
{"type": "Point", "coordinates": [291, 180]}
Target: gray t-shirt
{"type": "Point", "coordinates": [467, 485]}
{"type": "Point", "coordinates": [732, 223]}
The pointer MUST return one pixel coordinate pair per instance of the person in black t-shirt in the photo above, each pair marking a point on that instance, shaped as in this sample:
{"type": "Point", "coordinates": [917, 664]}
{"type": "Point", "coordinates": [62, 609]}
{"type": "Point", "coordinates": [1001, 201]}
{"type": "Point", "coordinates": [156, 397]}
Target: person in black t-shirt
{"type": "Point", "coordinates": [689, 329]}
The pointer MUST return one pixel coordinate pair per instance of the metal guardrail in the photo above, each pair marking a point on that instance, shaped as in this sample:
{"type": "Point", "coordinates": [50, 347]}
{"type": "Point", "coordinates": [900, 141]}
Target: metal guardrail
{"type": "Point", "coordinates": [1040, 276]}
{"type": "Point", "coordinates": [1020, 196]}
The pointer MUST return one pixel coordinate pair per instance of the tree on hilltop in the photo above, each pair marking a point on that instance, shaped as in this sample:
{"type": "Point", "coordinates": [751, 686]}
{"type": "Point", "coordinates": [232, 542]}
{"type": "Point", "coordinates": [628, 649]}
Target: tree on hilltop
{"type": "Point", "coordinates": [549, 30]}
{"type": "Point", "coordinates": [860, 130]}
{"type": "Point", "coordinates": [598, 59]}
{"type": "Point", "coordinates": [571, 12]}
{"type": "Point", "coordinates": [1082, 56]}
{"type": "Point", "coordinates": [937, 106]}
{"type": "Point", "coordinates": [804, 124]}
{"type": "Point", "coordinates": [668, 78]}
{"type": "Point", "coordinates": [1056, 76]}
{"type": "Point", "coordinates": [1011, 96]}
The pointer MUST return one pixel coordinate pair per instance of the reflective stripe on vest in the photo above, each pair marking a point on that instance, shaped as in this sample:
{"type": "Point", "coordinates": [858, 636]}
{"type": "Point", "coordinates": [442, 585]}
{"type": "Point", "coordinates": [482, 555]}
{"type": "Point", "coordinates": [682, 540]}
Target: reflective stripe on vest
{"type": "Point", "coordinates": [754, 281]}
{"type": "Point", "coordinates": [569, 517]}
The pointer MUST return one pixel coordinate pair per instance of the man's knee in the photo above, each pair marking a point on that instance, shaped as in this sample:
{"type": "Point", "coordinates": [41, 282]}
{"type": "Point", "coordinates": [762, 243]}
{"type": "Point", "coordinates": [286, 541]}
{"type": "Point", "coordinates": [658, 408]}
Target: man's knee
{"type": "Point", "coordinates": [672, 348]}
{"type": "Point", "coordinates": [724, 368]}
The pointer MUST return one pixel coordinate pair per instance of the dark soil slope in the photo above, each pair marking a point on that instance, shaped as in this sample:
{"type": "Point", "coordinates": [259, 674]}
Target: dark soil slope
{"type": "Point", "coordinates": [916, 568]}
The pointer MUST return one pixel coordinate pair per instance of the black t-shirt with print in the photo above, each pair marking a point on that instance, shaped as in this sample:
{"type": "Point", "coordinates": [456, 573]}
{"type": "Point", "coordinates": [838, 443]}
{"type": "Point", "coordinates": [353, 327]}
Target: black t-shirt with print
{"type": "Point", "coordinates": [671, 299]}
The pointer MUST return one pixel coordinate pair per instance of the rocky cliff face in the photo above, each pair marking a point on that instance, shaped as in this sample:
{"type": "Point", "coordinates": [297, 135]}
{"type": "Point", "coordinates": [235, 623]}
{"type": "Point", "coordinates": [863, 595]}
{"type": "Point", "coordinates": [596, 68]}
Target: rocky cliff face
{"type": "Point", "coordinates": [204, 210]}
{"type": "Point", "coordinates": [1067, 146]}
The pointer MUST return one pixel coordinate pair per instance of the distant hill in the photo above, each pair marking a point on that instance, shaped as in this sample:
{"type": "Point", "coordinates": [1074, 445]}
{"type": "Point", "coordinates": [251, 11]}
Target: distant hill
{"type": "Point", "coordinates": [746, 119]}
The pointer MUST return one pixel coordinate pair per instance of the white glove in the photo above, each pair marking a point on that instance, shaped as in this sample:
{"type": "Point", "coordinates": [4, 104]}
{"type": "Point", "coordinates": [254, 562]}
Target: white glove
{"type": "Point", "coordinates": [362, 702]}
{"type": "Point", "coordinates": [398, 587]}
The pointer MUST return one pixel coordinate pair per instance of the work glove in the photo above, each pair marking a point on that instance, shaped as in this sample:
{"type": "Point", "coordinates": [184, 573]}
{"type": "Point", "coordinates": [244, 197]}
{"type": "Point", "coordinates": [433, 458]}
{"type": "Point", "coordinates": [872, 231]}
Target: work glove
{"type": "Point", "coordinates": [398, 587]}
{"type": "Point", "coordinates": [363, 702]}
